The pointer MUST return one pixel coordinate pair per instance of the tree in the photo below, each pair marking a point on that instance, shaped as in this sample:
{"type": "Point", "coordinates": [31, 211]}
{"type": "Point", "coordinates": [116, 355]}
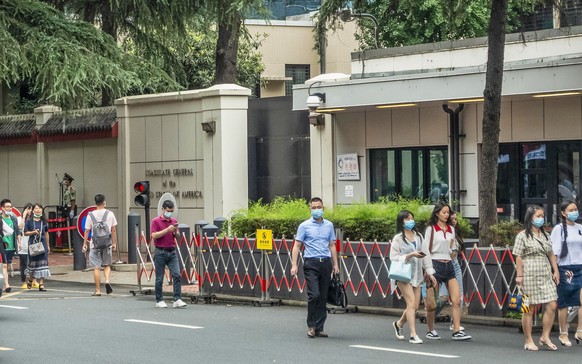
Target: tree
{"type": "Point", "coordinates": [66, 61]}
{"type": "Point", "coordinates": [491, 120]}
{"type": "Point", "coordinates": [151, 29]}
{"type": "Point", "coordinates": [229, 15]}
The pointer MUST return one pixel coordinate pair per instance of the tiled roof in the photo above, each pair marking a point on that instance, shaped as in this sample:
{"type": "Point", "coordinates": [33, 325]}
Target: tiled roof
{"type": "Point", "coordinates": [16, 126]}
{"type": "Point", "coordinates": [79, 122]}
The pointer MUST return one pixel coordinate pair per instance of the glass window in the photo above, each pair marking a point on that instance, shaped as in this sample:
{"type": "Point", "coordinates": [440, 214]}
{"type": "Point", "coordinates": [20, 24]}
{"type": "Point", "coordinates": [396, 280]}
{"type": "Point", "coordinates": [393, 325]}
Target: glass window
{"type": "Point", "coordinates": [438, 175]}
{"type": "Point", "coordinates": [299, 72]}
{"type": "Point", "coordinates": [412, 172]}
{"type": "Point", "coordinates": [383, 168]}
{"type": "Point", "coordinates": [411, 175]}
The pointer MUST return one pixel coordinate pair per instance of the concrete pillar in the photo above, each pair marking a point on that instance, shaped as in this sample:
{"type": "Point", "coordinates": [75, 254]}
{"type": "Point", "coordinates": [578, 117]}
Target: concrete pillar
{"type": "Point", "coordinates": [42, 114]}
{"type": "Point", "coordinates": [323, 161]}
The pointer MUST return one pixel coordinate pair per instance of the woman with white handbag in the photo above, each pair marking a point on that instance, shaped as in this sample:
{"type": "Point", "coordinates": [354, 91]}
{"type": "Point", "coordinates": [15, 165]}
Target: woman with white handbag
{"type": "Point", "coordinates": [408, 256]}
{"type": "Point", "coordinates": [37, 231]}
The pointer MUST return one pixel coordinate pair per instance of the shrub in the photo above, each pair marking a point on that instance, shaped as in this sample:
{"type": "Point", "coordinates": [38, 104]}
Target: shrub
{"type": "Point", "coordinates": [366, 221]}
{"type": "Point", "coordinates": [505, 232]}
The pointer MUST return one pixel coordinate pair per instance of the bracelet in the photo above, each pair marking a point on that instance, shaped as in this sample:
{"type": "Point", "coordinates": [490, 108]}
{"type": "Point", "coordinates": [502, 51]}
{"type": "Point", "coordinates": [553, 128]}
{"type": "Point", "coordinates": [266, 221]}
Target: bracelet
{"type": "Point", "coordinates": [519, 277]}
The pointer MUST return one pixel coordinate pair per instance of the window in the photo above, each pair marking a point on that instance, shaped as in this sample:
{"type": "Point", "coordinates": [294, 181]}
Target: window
{"type": "Point", "coordinates": [299, 72]}
{"type": "Point", "coordinates": [415, 172]}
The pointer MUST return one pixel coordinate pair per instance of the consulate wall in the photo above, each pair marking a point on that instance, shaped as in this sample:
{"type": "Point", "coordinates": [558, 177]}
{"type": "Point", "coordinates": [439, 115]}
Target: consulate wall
{"type": "Point", "coordinates": [158, 137]}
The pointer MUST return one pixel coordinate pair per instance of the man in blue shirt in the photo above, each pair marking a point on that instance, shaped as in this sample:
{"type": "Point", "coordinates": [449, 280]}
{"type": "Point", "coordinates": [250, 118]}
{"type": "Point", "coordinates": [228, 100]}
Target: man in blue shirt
{"type": "Point", "coordinates": [319, 259]}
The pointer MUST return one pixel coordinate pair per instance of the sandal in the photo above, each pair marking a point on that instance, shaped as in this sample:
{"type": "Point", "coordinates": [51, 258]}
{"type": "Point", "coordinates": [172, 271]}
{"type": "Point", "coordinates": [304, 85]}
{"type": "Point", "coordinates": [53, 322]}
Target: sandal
{"type": "Point", "coordinates": [565, 342]}
{"type": "Point", "coordinates": [8, 289]}
{"type": "Point", "coordinates": [530, 347]}
{"type": "Point", "coordinates": [96, 294]}
{"type": "Point", "coordinates": [578, 338]}
{"type": "Point", "coordinates": [108, 288]}
{"type": "Point", "coordinates": [41, 288]}
{"type": "Point", "coordinates": [548, 344]}
{"type": "Point", "coordinates": [29, 284]}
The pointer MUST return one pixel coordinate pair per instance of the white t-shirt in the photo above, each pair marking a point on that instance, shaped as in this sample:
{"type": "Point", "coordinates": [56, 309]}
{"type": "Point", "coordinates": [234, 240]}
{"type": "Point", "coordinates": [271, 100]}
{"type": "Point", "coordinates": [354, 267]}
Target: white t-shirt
{"type": "Point", "coordinates": [574, 241]}
{"type": "Point", "coordinates": [111, 220]}
{"type": "Point", "coordinates": [23, 238]}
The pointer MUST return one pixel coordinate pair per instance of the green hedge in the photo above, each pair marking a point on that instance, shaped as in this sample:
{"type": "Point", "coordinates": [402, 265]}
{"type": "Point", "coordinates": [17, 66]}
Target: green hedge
{"type": "Point", "coordinates": [366, 221]}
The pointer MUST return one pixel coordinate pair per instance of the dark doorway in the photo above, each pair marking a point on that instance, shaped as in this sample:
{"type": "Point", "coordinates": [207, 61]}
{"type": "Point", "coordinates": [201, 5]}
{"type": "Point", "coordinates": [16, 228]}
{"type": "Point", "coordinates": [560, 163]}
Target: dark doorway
{"type": "Point", "coordinates": [278, 145]}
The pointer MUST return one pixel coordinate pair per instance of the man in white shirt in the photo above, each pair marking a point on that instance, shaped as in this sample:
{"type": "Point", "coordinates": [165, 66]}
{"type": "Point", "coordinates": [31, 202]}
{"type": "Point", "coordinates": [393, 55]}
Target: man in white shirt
{"type": "Point", "coordinates": [101, 257]}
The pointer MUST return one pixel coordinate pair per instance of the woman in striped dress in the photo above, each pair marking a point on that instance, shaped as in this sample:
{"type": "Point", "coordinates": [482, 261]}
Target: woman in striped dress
{"type": "Point", "coordinates": [537, 273]}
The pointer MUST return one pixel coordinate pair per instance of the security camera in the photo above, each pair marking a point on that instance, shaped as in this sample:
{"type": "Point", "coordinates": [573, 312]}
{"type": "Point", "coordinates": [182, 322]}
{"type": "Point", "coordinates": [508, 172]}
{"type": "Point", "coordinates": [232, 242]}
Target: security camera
{"type": "Point", "coordinates": [313, 102]}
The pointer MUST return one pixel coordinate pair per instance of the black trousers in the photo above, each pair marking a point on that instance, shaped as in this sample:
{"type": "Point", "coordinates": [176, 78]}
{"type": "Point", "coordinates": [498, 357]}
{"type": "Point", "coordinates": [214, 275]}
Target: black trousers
{"type": "Point", "coordinates": [23, 265]}
{"type": "Point", "coordinates": [317, 276]}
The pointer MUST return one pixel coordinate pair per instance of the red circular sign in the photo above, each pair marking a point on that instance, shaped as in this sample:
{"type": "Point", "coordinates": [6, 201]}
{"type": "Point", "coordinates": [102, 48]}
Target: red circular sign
{"type": "Point", "coordinates": [16, 212]}
{"type": "Point", "coordinates": [81, 219]}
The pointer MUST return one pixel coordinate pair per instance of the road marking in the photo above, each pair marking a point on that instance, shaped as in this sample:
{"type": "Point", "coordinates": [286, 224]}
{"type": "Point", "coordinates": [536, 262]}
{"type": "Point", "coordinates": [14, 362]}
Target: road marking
{"type": "Point", "coordinates": [404, 351]}
{"type": "Point", "coordinates": [163, 324]}
{"type": "Point", "coordinates": [5, 349]}
{"type": "Point", "coordinates": [15, 307]}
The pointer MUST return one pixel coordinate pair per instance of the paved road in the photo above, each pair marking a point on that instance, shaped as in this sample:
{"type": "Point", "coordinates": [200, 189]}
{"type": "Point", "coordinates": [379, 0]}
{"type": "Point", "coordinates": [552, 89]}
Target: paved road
{"type": "Point", "coordinates": [67, 325]}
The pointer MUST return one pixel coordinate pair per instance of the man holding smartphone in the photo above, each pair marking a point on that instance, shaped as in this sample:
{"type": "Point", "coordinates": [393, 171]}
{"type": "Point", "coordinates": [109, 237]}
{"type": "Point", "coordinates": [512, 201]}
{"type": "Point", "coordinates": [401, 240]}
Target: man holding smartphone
{"type": "Point", "coordinates": [164, 232]}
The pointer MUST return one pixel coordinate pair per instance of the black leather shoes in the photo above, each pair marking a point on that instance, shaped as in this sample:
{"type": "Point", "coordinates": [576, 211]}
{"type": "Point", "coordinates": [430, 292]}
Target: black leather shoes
{"type": "Point", "coordinates": [320, 334]}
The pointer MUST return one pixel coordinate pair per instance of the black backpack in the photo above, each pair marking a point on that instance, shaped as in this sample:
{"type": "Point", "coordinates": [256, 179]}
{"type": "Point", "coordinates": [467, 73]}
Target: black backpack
{"type": "Point", "coordinates": [101, 233]}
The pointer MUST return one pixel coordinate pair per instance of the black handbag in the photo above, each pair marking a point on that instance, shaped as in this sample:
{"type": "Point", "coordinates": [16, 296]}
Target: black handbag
{"type": "Point", "coordinates": [336, 295]}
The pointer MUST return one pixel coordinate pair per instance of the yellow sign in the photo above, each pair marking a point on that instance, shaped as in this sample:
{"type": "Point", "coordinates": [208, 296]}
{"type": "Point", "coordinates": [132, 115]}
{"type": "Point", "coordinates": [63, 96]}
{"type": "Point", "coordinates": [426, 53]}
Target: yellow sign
{"type": "Point", "coordinates": [265, 239]}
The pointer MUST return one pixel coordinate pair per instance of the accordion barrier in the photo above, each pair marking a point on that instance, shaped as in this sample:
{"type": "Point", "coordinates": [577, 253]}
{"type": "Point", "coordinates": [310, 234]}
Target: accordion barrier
{"type": "Point", "coordinates": [235, 267]}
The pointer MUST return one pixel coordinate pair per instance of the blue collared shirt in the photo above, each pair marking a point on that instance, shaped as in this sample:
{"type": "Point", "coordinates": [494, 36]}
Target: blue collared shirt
{"type": "Point", "coordinates": [316, 237]}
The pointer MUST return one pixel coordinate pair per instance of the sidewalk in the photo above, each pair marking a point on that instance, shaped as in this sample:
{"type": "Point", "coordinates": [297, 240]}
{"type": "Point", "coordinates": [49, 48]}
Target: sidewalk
{"type": "Point", "coordinates": [122, 274]}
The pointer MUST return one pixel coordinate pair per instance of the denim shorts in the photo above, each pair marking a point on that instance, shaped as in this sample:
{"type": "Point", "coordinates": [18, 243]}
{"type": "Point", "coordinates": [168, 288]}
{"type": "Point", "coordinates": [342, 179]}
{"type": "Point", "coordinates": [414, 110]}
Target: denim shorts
{"type": "Point", "coordinates": [444, 271]}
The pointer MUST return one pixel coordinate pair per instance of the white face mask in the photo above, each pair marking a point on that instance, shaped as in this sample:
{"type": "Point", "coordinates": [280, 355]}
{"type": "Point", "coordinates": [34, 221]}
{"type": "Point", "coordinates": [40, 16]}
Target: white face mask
{"type": "Point", "coordinates": [168, 214]}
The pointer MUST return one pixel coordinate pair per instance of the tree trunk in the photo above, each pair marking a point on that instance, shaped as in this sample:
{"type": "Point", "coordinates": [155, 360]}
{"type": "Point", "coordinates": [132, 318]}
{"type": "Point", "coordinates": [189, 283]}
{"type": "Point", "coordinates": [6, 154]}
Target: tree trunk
{"type": "Point", "coordinates": [491, 117]}
{"type": "Point", "coordinates": [227, 48]}
{"type": "Point", "coordinates": [108, 26]}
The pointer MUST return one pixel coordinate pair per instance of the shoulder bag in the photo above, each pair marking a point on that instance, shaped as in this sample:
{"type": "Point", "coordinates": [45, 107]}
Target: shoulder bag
{"type": "Point", "coordinates": [400, 271]}
{"type": "Point", "coordinates": [36, 247]}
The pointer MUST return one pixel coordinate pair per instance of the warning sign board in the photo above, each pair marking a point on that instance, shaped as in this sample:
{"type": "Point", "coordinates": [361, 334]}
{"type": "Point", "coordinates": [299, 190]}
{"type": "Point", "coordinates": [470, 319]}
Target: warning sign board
{"type": "Point", "coordinates": [264, 239]}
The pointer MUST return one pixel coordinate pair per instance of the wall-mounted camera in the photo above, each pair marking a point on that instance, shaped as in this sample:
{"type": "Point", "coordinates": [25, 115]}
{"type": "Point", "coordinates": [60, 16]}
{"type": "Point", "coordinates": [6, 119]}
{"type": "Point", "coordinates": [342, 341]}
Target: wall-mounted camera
{"type": "Point", "coordinates": [314, 101]}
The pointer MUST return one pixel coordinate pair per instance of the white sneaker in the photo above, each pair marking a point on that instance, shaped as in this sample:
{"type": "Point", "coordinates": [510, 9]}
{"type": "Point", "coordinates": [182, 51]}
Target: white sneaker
{"type": "Point", "coordinates": [461, 336]}
{"type": "Point", "coordinates": [433, 335]}
{"type": "Point", "coordinates": [179, 304]}
{"type": "Point", "coordinates": [415, 340]}
{"type": "Point", "coordinates": [161, 304]}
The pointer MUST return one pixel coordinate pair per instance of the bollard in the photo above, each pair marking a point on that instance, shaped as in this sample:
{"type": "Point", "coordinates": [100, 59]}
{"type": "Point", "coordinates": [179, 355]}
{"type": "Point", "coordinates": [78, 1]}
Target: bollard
{"type": "Point", "coordinates": [184, 231]}
{"type": "Point", "coordinates": [210, 230]}
{"type": "Point", "coordinates": [133, 220]}
{"type": "Point", "coordinates": [219, 222]}
{"type": "Point", "coordinates": [79, 259]}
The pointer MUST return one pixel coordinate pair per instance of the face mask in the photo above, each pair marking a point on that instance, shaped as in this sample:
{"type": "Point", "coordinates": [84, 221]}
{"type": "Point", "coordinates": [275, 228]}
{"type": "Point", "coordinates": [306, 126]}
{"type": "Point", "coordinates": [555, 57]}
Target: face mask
{"type": "Point", "coordinates": [317, 213]}
{"type": "Point", "coordinates": [409, 224]}
{"type": "Point", "coordinates": [167, 215]}
{"type": "Point", "coordinates": [539, 222]}
{"type": "Point", "coordinates": [9, 212]}
{"type": "Point", "coordinates": [573, 216]}
{"type": "Point", "coordinates": [37, 216]}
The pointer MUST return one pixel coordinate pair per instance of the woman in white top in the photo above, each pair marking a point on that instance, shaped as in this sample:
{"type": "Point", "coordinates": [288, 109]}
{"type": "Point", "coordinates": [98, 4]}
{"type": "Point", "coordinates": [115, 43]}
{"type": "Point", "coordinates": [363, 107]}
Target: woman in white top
{"type": "Point", "coordinates": [440, 238]}
{"type": "Point", "coordinates": [567, 246]}
{"type": "Point", "coordinates": [407, 245]}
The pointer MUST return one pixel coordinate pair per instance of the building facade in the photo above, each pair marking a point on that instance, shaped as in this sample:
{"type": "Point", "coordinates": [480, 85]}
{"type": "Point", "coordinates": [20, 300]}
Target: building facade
{"type": "Point", "coordinates": [390, 113]}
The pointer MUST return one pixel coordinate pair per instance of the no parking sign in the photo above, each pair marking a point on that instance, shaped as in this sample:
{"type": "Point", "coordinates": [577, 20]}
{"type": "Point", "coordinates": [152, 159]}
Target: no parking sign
{"type": "Point", "coordinates": [82, 218]}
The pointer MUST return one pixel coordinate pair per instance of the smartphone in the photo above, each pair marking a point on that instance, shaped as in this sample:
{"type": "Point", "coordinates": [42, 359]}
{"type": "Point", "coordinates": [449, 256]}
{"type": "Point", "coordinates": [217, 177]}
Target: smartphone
{"type": "Point", "coordinates": [422, 253]}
